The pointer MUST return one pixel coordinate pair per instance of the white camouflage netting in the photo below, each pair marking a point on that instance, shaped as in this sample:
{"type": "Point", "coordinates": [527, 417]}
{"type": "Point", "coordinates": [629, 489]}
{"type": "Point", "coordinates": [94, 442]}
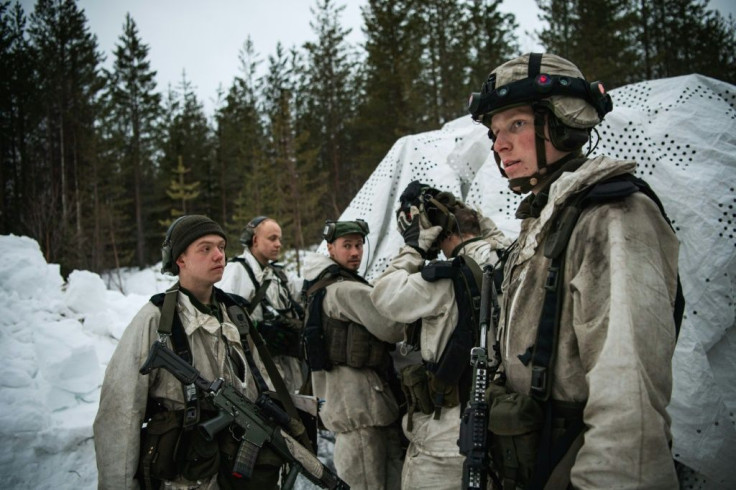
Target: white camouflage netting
{"type": "Point", "coordinates": [682, 133]}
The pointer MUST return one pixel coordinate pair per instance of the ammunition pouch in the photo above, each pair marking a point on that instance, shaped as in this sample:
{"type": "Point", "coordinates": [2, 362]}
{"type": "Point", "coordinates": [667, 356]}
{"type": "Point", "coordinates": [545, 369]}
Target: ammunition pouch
{"type": "Point", "coordinates": [197, 457]}
{"type": "Point", "coordinates": [444, 395]}
{"type": "Point", "coordinates": [425, 392]}
{"type": "Point", "coordinates": [168, 451]}
{"type": "Point", "coordinates": [515, 421]}
{"type": "Point", "coordinates": [518, 424]}
{"type": "Point", "coordinates": [282, 336]}
{"type": "Point", "coordinates": [352, 345]}
{"type": "Point", "coordinates": [315, 349]}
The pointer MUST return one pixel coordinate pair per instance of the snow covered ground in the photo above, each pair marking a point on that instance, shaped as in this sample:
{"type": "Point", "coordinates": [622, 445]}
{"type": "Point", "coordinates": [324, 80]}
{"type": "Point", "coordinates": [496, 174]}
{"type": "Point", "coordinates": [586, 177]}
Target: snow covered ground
{"type": "Point", "coordinates": [55, 340]}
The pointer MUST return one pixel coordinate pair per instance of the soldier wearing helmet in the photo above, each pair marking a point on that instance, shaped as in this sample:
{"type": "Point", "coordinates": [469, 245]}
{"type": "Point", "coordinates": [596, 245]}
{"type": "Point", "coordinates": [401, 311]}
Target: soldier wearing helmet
{"type": "Point", "coordinates": [588, 327]}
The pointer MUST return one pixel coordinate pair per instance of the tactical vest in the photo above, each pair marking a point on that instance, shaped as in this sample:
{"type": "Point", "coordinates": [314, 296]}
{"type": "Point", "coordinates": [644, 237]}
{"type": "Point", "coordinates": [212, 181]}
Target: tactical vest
{"type": "Point", "coordinates": [527, 457]}
{"type": "Point", "coordinates": [280, 327]}
{"type": "Point", "coordinates": [330, 342]}
{"type": "Point", "coordinates": [294, 309]}
{"type": "Point", "coordinates": [453, 368]}
{"type": "Point", "coordinates": [170, 445]}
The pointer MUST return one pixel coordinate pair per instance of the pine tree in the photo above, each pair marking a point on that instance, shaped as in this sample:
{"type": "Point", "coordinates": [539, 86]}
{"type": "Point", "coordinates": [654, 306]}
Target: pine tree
{"type": "Point", "coordinates": [240, 146]}
{"type": "Point", "coordinates": [189, 137]}
{"type": "Point", "coordinates": [69, 80]}
{"type": "Point", "coordinates": [389, 105]}
{"type": "Point", "coordinates": [135, 108]}
{"type": "Point", "coordinates": [330, 101]}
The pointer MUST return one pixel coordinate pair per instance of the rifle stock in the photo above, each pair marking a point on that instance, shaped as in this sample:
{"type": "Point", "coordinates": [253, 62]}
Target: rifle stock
{"type": "Point", "coordinates": [236, 408]}
{"type": "Point", "coordinates": [473, 441]}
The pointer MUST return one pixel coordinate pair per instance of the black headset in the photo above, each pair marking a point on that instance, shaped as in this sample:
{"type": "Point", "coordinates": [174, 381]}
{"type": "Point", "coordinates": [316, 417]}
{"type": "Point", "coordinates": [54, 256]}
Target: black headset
{"type": "Point", "coordinates": [564, 137]}
{"type": "Point", "coordinates": [328, 233]}
{"type": "Point", "coordinates": [168, 263]}
{"type": "Point", "coordinates": [246, 238]}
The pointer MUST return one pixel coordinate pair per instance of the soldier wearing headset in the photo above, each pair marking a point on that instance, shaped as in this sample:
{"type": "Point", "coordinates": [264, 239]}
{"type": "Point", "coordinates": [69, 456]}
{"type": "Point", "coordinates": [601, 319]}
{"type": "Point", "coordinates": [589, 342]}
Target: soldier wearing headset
{"type": "Point", "coordinates": [256, 276]}
{"type": "Point", "coordinates": [170, 452]}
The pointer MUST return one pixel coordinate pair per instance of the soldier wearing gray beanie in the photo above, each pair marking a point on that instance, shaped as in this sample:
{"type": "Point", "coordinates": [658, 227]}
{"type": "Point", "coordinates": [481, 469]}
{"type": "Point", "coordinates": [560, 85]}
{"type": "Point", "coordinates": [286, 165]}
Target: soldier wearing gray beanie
{"type": "Point", "coordinates": [181, 234]}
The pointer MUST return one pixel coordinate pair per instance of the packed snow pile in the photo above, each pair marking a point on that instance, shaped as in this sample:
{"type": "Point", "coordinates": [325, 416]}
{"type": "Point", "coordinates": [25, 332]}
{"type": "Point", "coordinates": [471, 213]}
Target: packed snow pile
{"type": "Point", "coordinates": [56, 337]}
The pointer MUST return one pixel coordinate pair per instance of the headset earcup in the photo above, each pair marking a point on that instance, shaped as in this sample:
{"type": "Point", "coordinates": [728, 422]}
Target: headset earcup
{"type": "Point", "coordinates": [566, 138]}
{"type": "Point", "coordinates": [167, 261]}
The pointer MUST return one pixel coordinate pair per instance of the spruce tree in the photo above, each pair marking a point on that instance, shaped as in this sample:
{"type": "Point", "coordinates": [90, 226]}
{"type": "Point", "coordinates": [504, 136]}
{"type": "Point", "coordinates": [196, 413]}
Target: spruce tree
{"type": "Point", "coordinates": [69, 81]}
{"type": "Point", "coordinates": [182, 189]}
{"type": "Point", "coordinates": [492, 39]}
{"type": "Point", "coordinates": [19, 115]}
{"type": "Point", "coordinates": [678, 37]}
{"type": "Point", "coordinates": [240, 146]}
{"type": "Point", "coordinates": [389, 105]}
{"type": "Point", "coordinates": [187, 135]}
{"type": "Point", "coordinates": [135, 109]}
{"type": "Point", "coordinates": [330, 101]}
{"type": "Point", "coordinates": [295, 178]}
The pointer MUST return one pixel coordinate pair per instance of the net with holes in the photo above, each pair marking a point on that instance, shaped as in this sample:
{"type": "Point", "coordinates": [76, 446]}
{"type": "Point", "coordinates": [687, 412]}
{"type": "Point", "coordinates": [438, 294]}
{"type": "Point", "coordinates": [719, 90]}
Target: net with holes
{"type": "Point", "coordinates": [682, 133]}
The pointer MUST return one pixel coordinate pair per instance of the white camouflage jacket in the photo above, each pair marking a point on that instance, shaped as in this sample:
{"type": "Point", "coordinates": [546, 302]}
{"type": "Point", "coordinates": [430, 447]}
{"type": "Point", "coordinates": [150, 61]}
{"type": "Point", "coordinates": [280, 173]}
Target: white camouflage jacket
{"type": "Point", "coordinates": [402, 294]}
{"type": "Point", "coordinates": [617, 333]}
{"type": "Point", "coordinates": [353, 398]}
{"type": "Point", "coordinates": [236, 280]}
{"type": "Point", "coordinates": [125, 391]}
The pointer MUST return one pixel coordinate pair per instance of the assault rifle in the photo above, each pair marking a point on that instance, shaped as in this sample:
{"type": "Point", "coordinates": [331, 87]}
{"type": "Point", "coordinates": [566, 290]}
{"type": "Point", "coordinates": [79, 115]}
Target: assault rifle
{"type": "Point", "coordinates": [261, 422]}
{"type": "Point", "coordinates": [473, 440]}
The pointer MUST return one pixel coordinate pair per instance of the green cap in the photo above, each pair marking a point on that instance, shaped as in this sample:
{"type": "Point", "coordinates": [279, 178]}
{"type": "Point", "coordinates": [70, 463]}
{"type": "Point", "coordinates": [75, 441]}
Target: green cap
{"type": "Point", "coordinates": [335, 229]}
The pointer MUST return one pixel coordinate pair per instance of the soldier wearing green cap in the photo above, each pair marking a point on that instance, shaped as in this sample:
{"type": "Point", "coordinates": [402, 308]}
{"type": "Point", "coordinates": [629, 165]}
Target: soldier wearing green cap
{"type": "Point", "coordinates": [347, 350]}
{"type": "Point", "coordinates": [171, 452]}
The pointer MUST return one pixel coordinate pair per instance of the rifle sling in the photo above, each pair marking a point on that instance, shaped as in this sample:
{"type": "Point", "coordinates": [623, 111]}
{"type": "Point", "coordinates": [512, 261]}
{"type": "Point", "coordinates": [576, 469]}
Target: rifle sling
{"type": "Point", "coordinates": [169, 325]}
{"type": "Point", "coordinates": [282, 392]}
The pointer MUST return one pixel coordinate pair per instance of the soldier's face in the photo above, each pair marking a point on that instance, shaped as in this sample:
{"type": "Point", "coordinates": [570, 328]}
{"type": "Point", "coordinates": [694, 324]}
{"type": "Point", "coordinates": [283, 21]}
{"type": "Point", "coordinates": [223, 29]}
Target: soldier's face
{"type": "Point", "coordinates": [267, 241]}
{"type": "Point", "coordinates": [203, 262]}
{"type": "Point", "coordinates": [347, 251]}
{"type": "Point", "coordinates": [514, 141]}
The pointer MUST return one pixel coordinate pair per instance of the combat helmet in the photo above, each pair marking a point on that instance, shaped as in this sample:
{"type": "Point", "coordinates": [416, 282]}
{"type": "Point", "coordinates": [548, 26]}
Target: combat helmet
{"type": "Point", "coordinates": [557, 92]}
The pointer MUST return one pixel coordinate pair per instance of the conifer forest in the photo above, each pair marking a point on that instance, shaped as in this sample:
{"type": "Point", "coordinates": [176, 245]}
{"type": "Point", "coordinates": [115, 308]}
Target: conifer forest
{"type": "Point", "coordinates": [96, 161]}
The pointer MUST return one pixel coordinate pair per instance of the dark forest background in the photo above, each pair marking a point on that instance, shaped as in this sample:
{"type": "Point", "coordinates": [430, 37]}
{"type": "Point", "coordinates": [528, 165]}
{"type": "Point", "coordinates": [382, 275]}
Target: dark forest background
{"type": "Point", "coordinates": [96, 163]}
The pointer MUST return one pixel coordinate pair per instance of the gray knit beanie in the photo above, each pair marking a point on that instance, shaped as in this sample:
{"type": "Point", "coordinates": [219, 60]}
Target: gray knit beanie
{"type": "Point", "coordinates": [181, 234]}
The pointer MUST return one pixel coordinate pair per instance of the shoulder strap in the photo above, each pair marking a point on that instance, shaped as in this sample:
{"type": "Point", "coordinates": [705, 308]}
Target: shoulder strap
{"type": "Point", "coordinates": [259, 296]}
{"type": "Point", "coordinates": [544, 348]}
{"type": "Point", "coordinates": [295, 306]}
{"type": "Point", "coordinates": [170, 325]}
{"type": "Point", "coordinates": [235, 303]}
{"type": "Point", "coordinates": [331, 274]}
{"type": "Point", "coordinates": [248, 269]}
{"type": "Point", "coordinates": [260, 288]}
{"type": "Point", "coordinates": [453, 366]}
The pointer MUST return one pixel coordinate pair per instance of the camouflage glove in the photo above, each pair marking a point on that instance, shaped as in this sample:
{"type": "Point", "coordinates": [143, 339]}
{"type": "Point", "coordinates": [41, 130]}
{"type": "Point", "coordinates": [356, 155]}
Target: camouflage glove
{"type": "Point", "coordinates": [420, 234]}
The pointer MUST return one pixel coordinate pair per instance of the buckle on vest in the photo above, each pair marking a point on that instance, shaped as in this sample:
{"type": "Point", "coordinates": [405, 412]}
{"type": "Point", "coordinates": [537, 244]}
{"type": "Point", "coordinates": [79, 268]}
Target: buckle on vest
{"type": "Point", "coordinates": [551, 283]}
{"type": "Point", "coordinates": [539, 381]}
